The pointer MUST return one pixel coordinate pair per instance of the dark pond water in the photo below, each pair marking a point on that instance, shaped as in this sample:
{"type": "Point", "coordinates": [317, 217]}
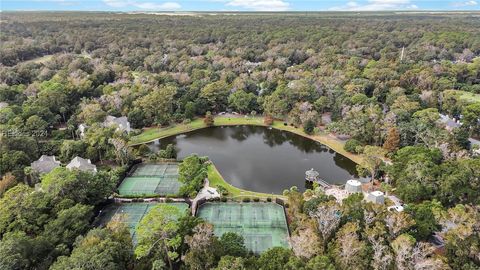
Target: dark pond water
{"type": "Point", "coordinates": [262, 159]}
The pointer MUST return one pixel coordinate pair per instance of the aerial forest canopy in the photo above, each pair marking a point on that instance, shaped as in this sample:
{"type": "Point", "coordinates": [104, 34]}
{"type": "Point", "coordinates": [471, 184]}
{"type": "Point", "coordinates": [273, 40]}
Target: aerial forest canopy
{"type": "Point", "coordinates": [404, 88]}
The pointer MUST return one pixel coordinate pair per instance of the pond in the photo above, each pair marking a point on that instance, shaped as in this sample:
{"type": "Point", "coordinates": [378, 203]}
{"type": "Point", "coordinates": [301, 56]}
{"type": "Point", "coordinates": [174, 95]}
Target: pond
{"type": "Point", "coordinates": [262, 159]}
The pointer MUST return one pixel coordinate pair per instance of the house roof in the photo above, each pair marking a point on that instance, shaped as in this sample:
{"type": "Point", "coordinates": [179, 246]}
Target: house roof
{"type": "Point", "coordinates": [81, 164]}
{"type": "Point", "coordinates": [326, 118]}
{"type": "Point", "coordinates": [474, 142]}
{"type": "Point", "coordinates": [3, 105]}
{"type": "Point", "coordinates": [354, 182]}
{"type": "Point", "coordinates": [377, 193]}
{"type": "Point", "coordinates": [449, 122]}
{"type": "Point", "coordinates": [45, 164]}
{"type": "Point", "coordinates": [121, 122]}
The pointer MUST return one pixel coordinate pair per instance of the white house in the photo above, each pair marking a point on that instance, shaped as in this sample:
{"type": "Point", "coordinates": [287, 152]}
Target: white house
{"type": "Point", "coordinates": [121, 123]}
{"type": "Point", "coordinates": [82, 164]}
{"type": "Point", "coordinates": [81, 130]}
{"type": "Point", "coordinates": [475, 146]}
{"type": "Point", "coordinates": [376, 197]}
{"type": "Point", "coordinates": [353, 186]}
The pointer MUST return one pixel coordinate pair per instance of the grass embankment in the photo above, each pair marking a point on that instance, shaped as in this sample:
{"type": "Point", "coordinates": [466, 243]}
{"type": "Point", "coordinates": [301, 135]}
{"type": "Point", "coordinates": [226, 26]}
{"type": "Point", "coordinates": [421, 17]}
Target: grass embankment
{"type": "Point", "coordinates": [40, 60]}
{"type": "Point", "coordinates": [469, 97]}
{"type": "Point", "coordinates": [216, 179]}
{"type": "Point", "coordinates": [151, 134]}
{"type": "Point", "coordinates": [323, 138]}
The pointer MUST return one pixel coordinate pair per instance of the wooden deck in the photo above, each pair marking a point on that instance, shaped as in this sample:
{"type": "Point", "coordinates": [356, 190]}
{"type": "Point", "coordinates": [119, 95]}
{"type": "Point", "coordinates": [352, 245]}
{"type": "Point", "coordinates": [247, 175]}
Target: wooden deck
{"type": "Point", "coordinates": [321, 182]}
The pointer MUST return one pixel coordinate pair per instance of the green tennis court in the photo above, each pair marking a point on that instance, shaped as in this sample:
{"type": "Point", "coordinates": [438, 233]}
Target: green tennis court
{"type": "Point", "coordinates": [133, 212]}
{"type": "Point", "coordinates": [262, 225]}
{"type": "Point", "coordinates": [155, 169]}
{"type": "Point", "coordinates": [151, 179]}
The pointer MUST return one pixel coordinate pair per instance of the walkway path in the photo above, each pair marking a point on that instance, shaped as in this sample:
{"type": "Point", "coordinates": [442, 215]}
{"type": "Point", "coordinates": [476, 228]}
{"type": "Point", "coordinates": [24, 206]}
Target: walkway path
{"type": "Point", "coordinates": [153, 199]}
{"type": "Point", "coordinates": [395, 200]}
{"type": "Point", "coordinates": [206, 193]}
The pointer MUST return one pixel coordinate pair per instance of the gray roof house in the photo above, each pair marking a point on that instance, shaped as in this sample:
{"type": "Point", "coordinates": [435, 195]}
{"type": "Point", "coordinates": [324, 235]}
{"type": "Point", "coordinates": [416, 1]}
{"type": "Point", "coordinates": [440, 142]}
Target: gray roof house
{"type": "Point", "coordinates": [475, 146]}
{"type": "Point", "coordinates": [121, 122]}
{"type": "Point", "coordinates": [450, 123]}
{"type": "Point", "coordinates": [82, 165]}
{"type": "Point", "coordinates": [45, 164]}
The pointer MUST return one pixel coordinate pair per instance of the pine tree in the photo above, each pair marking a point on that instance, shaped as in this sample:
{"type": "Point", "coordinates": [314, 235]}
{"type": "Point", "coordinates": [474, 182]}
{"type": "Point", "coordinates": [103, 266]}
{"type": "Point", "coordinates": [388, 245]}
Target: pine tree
{"type": "Point", "coordinates": [208, 119]}
{"type": "Point", "coordinates": [393, 140]}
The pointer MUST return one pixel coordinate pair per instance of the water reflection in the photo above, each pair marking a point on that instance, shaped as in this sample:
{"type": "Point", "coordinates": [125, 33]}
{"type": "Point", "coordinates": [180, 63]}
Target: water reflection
{"type": "Point", "coordinates": [262, 159]}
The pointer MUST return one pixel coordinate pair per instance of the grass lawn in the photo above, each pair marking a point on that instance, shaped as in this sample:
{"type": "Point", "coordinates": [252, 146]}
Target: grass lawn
{"type": "Point", "coordinates": [216, 179]}
{"type": "Point", "coordinates": [48, 57]}
{"type": "Point", "coordinates": [40, 60]}
{"type": "Point", "coordinates": [469, 97]}
{"type": "Point", "coordinates": [151, 134]}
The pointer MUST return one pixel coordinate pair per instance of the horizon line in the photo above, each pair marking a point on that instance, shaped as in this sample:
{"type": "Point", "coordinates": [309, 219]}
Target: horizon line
{"type": "Point", "coordinates": [242, 11]}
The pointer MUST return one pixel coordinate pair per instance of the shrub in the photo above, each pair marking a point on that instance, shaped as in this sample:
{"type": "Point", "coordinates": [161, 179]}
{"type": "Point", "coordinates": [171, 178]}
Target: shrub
{"type": "Point", "coordinates": [269, 199]}
{"type": "Point", "coordinates": [351, 145]}
{"type": "Point", "coordinates": [169, 152]}
{"type": "Point", "coordinates": [256, 199]}
{"type": "Point", "coordinates": [135, 132]}
{"type": "Point", "coordinates": [193, 194]}
{"type": "Point", "coordinates": [246, 199]}
{"type": "Point", "coordinates": [359, 149]}
{"type": "Point", "coordinates": [143, 150]}
{"type": "Point", "coordinates": [222, 190]}
{"type": "Point", "coordinates": [223, 199]}
{"type": "Point", "coordinates": [309, 126]}
{"type": "Point", "coordinates": [209, 121]}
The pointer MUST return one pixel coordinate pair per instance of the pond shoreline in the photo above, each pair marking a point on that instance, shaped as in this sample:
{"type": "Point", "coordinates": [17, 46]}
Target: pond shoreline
{"type": "Point", "coordinates": [216, 179]}
{"type": "Point", "coordinates": [152, 134]}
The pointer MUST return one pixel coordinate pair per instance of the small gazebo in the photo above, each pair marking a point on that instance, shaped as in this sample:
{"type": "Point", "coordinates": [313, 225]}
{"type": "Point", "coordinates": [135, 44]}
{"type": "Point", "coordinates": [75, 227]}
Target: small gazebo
{"type": "Point", "coordinates": [311, 175]}
{"type": "Point", "coordinates": [353, 186]}
{"type": "Point", "coordinates": [376, 197]}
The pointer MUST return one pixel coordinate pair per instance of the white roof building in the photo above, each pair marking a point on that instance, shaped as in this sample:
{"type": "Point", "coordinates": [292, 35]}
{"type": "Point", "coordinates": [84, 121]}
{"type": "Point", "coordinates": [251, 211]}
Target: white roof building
{"type": "Point", "coordinates": [81, 130]}
{"type": "Point", "coordinates": [311, 175]}
{"type": "Point", "coordinates": [475, 146]}
{"type": "Point", "coordinates": [353, 186]}
{"type": "Point", "coordinates": [376, 197]}
{"type": "Point", "coordinates": [45, 164]}
{"type": "Point", "coordinates": [82, 165]}
{"type": "Point", "coordinates": [121, 123]}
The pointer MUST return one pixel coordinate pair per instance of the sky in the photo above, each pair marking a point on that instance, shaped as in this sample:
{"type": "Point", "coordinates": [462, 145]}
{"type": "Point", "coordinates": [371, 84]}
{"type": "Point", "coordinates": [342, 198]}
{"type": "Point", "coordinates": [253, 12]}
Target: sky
{"type": "Point", "coordinates": [238, 5]}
